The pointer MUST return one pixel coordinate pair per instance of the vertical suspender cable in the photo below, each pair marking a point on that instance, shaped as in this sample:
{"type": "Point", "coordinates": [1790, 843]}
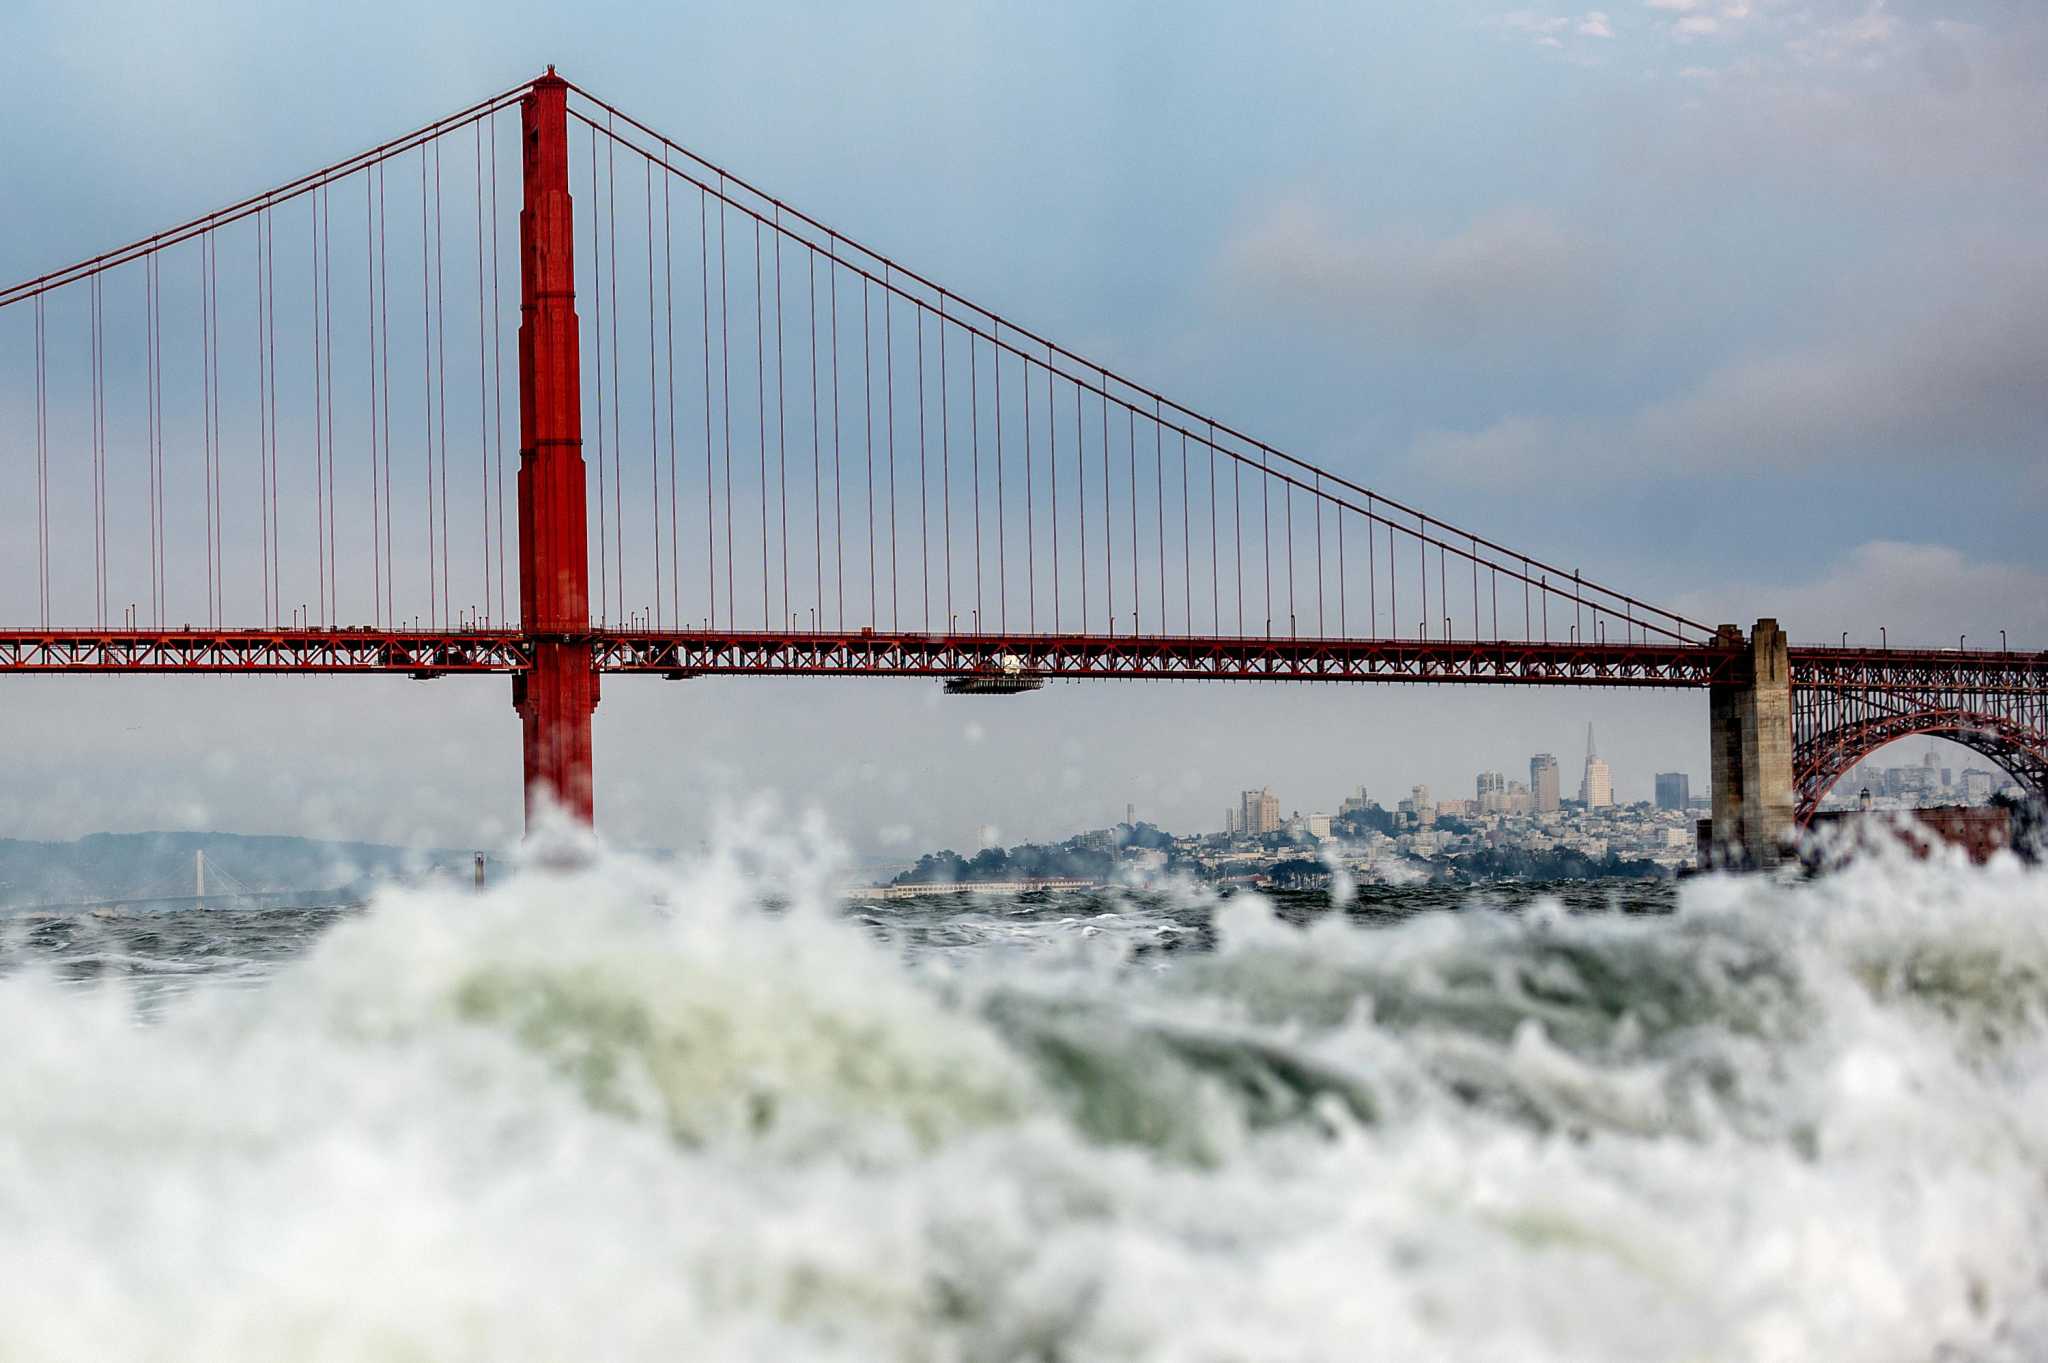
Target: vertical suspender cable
{"type": "Point", "coordinates": [817, 466]}
{"type": "Point", "coordinates": [1215, 545]}
{"type": "Point", "coordinates": [1131, 448]}
{"type": "Point", "coordinates": [1316, 501]}
{"type": "Point", "coordinates": [781, 419]}
{"type": "Point", "coordinates": [761, 420]}
{"type": "Point", "coordinates": [319, 437]}
{"type": "Point", "coordinates": [326, 207]}
{"type": "Point", "coordinates": [149, 417]}
{"type": "Point", "coordinates": [498, 374]}
{"type": "Point", "coordinates": [1237, 518]}
{"type": "Point", "coordinates": [611, 187]}
{"type": "Point", "coordinates": [668, 274]}
{"type": "Point", "coordinates": [974, 451]}
{"type": "Point", "coordinates": [1266, 532]}
{"type": "Point", "coordinates": [42, 467]}
{"type": "Point", "coordinates": [1052, 468]}
{"type": "Point", "coordinates": [1081, 492]}
{"type": "Point", "coordinates": [604, 595]}
{"type": "Point", "coordinates": [1159, 507]}
{"type": "Point", "coordinates": [270, 326]}
{"type": "Point", "coordinates": [384, 362]}
{"type": "Point", "coordinates": [710, 476]}
{"type": "Point", "coordinates": [1108, 512]}
{"type": "Point", "coordinates": [1030, 517]}
{"type": "Point", "coordinates": [99, 554]}
{"type": "Point", "coordinates": [483, 386]}
{"type": "Point", "coordinates": [1002, 537]}
{"type": "Point", "coordinates": [263, 389]}
{"type": "Point", "coordinates": [1287, 500]}
{"type": "Point", "coordinates": [725, 398]}
{"type": "Point", "coordinates": [427, 390]}
{"type": "Point", "coordinates": [1187, 542]}
{"type": "Point", "coordinates": [868, 442]}
{"type": "Point", "coordinates": [924, 500]}
{"type": "Point", "coordinates": [206, 401]}
{"type": "Point", "coordinates": [889, 391]}
{"type": "Point", "coordinates": [220, 577]}
{"type": "Point", "coordinates": [1372, 595]}
{"type": "Point", "coordinates": [995, 364]}
{"type": "Point", "coordinates": [376, 507]}
{"type": "Point", "coordinates": [946, 463]}
{"type": "Point", "coordinates": [653, 394]}
{"type": "Point", "coordinates": [1422, 564]}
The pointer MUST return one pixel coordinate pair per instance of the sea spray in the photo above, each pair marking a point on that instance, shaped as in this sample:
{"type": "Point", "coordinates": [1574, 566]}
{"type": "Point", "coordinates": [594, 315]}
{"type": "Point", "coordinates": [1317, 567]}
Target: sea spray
{"type": "Point", "coordinates": [617, 1110]}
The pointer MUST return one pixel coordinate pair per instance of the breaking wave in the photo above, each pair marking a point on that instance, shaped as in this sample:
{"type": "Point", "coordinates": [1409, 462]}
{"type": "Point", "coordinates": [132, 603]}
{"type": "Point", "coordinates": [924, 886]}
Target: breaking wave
{"type": "Point", "coordinates": [622, 1111]}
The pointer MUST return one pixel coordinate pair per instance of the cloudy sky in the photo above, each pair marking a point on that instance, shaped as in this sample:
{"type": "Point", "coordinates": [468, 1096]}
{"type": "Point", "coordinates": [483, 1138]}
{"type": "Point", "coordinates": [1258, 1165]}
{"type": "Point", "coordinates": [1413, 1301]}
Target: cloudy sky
{"type": "Point", "coordinates": [1741, 303]}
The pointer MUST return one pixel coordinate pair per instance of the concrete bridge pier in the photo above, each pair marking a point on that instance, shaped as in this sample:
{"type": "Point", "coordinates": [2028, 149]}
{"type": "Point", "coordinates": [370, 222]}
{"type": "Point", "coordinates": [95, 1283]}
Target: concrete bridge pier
{"type": "Point", "coordinates": [1751, 723]}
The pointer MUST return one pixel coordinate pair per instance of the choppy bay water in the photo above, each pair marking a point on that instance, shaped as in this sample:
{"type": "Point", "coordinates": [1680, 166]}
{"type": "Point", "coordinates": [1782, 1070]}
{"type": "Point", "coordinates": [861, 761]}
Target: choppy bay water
{"type": "Point", "coordinates": [623, 1112]}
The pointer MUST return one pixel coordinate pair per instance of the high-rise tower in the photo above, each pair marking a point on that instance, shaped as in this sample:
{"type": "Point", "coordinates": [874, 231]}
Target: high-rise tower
{"type": "Point", "coordinates": [1596, 787]}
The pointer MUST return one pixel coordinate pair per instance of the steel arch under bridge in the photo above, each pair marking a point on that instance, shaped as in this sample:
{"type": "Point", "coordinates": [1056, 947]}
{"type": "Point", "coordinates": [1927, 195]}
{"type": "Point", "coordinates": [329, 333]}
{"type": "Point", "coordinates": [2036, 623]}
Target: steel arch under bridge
{"type": "Point", "coordinates": [1848, 703]}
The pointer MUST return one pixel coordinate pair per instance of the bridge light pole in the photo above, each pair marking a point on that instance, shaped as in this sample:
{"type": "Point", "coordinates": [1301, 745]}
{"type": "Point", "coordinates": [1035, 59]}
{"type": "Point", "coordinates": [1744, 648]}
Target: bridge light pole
{"type": "Point", "coordinates": [1883, 640]}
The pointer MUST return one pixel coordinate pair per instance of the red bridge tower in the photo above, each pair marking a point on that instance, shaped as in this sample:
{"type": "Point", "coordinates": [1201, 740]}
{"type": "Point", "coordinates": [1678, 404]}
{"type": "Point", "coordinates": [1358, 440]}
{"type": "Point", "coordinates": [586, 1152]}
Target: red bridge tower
{"type": "Point", "coordinates": [555, 699]}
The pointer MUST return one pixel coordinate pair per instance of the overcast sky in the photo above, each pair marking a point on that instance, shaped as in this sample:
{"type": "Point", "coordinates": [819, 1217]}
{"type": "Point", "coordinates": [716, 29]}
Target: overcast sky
{"type": "Point", "coordinates": [1741, 304]}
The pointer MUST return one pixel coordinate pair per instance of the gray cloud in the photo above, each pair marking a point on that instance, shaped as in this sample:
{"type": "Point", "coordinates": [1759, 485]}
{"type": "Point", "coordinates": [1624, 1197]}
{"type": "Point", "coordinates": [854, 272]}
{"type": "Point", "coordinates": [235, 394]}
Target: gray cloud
{"type": "Point", "coordinates": [1512, 273]}
{"type": "Point", "coordinates": [1919, 594]}
{"type": "Point", "coordinates": [1961, 375]}
{"type": "Point", "coordinates": [1894, 100]}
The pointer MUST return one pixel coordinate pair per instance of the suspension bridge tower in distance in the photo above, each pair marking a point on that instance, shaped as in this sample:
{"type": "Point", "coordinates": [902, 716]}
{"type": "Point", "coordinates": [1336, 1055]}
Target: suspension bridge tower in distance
{"type": "Point", "coordinates": [556, 697]}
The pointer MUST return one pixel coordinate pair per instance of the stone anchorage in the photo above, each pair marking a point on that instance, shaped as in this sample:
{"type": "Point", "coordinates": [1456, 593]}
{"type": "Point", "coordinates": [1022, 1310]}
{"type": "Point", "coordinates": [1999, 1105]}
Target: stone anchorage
{"type": "Point", "coordinates": [1751, 733]}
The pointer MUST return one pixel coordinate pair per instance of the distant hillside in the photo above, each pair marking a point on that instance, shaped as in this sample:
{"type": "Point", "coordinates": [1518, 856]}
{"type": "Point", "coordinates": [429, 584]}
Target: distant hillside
{"type": "Point", "coordinates": [105, 866]}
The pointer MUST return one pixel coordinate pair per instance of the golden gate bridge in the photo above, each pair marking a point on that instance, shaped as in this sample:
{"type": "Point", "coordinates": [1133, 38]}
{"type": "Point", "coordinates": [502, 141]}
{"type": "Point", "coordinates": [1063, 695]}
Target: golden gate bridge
{"type": "Point", "coordinates": [745, 443]}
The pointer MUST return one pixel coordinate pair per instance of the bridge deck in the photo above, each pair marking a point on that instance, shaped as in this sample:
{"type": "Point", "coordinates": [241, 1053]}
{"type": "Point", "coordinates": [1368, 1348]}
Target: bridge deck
{"type": "Point", "coordinates": [873, 653]}
{"type": "Point", "coordinates": [435, 653]}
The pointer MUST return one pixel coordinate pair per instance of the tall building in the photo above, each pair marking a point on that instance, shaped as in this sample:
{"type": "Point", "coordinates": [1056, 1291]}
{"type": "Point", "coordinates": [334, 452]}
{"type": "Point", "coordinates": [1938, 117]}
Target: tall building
{"type": "Point", "coordinates": [1258, 812]}
{"type": "Point", "coordinates": [1543, 783]}
{"type": "Point", "coordinates": [1674, 790]}
{"type": "Point", "coordinates": [1492, 792]}
{"type": "Point", "coordinates": [1596, 787]}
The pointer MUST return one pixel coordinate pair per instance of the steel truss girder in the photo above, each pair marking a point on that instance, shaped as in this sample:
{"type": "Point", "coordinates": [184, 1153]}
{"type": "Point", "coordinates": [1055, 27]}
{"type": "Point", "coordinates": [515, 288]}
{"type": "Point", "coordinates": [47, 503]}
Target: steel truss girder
{"type": "Point", "coordinates": [733, 653]}
{"type": "Point", "coordinates": [428, 653]}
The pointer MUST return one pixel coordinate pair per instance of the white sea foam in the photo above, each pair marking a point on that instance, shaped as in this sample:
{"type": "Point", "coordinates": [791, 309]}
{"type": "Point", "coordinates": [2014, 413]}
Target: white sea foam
{"type": "Point", "coordinates": [620, 1112]}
